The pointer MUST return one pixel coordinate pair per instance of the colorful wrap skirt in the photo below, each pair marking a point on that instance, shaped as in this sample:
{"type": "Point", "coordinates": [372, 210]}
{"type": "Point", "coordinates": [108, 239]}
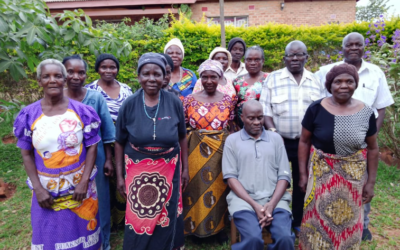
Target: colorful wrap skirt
{"type": "Point", "coordinates": [68, 225]}
{"type": "Point", "coordinates": [205, 209]}
{"type": "Point", "coordinates": [333, 208]}
{"type": "Point", "coordinates": [153, 190]}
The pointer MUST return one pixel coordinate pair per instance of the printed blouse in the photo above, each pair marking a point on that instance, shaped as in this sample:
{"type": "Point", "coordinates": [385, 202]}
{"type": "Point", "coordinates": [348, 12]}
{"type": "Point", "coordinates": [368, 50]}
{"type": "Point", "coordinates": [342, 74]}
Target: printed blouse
{"type": "Point", "coordinates": [59, 143]}
{"type": "Point", "coordinates": [113, 104]}
{"type": "Point", "coordinates": [210, 116]}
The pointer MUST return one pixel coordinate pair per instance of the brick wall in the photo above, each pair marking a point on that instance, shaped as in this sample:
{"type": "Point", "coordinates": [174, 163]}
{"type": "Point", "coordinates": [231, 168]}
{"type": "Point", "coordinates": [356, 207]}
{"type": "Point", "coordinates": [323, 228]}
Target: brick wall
{"type": "Point", "coordinates": [296, 13]}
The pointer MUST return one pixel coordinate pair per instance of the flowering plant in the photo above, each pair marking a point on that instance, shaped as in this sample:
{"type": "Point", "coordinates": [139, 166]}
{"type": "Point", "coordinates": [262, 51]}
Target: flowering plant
{"type": "Point", "coordinates": [387, 56]}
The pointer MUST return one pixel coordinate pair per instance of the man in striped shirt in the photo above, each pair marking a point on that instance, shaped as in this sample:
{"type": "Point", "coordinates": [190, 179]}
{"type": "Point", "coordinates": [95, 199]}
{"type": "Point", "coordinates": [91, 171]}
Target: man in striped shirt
{"type": "Point", "coordinates": [285, 97]}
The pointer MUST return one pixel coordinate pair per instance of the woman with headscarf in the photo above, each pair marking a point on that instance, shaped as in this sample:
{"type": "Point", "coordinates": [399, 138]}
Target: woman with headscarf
{"type": "Point", "coordinates": [338, 160]}
{"type": "Point", "coordinates": [225, 85]}
{"type": "Point", "coordinates": [182, 79]}
{"type": "Point", "coordinates": [207, 114]}
{"type": "Point", "coordinates": [179, 236]}
{"type": "Point", "coordinates": [58, 139]}
{"type": "Point", "coordinates": [150, 143]}
{"type": "Point", "coordinates": [237, 48]}
{"type": "Point", "coordinates": [115, 93]}
{"type": "Point", "coordinates": [249, 86]}
{"type": "Point", "coordinates": [76, 75]}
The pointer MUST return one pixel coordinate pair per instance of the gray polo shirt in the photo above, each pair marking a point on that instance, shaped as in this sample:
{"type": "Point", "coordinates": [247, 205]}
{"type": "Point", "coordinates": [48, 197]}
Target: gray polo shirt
{"type": "Point", "coordinates": [258, 165]}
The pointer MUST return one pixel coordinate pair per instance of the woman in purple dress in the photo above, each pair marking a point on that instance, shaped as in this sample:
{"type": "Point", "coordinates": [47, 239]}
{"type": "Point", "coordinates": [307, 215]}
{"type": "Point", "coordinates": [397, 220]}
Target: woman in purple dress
{"type": "Point", "coordinates": [58, 139]}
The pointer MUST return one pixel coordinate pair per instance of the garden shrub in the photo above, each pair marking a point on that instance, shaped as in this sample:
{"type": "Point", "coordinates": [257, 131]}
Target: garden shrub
{"type": "Point", "coordinates": [77, 35]}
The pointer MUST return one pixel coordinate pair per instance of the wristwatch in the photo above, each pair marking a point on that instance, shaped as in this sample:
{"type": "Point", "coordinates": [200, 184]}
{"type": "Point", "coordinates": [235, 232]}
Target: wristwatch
{"type": "Point", "coordinates": [272, 129]}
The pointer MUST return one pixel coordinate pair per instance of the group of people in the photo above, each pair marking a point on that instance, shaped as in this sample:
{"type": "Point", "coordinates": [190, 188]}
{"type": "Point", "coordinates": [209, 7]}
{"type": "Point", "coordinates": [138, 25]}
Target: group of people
{"type": "Point", "coordinates": [182, 156]}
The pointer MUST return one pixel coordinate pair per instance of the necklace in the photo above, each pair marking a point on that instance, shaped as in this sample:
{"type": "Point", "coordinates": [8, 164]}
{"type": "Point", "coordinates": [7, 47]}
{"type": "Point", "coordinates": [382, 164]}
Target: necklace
{"type": "Point", "coordinates": [155, 116]}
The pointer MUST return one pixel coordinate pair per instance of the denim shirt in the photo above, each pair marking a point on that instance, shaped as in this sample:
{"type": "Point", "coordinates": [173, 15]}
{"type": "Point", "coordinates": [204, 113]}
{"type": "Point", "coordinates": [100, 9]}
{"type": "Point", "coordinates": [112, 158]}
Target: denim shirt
{"type": "Point", "coordinates": [95, 100]}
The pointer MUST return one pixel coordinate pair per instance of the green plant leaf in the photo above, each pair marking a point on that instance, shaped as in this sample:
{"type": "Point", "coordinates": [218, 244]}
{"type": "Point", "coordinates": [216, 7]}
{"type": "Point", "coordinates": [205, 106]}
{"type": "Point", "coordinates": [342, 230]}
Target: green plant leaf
{"type": "Point", "coordinates": [26, 28]}
{"type": "Point", "coordinates": [3, 25]}
{"type": "Point", "coordinates": [76, 27]}
{"type": "Point", "coordinates": [81, 38]}
{"type": "Point", "coordinates": [30, 37]}
{"type": "Point", "coordinates": [87, 42]}
{"type": "Point", "coordinates": [4, 65]}
{"type": "Point", "coordinates": [88, 21]}
{"type": "Point", "coordinates": [69, 35]}
{"type": "Point", "coordinates": [21, 54]}
{"type": "Point", "coordinates": [16, 72]}
{"type": "Point", "coordinates": [41, 32]}
{"type": "Point", "coordinates": [22, 16]}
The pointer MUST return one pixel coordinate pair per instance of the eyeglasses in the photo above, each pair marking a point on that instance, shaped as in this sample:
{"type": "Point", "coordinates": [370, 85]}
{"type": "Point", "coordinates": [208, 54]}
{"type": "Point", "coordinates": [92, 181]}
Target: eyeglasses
{"type": "Point", "coordinates": [298, 55]}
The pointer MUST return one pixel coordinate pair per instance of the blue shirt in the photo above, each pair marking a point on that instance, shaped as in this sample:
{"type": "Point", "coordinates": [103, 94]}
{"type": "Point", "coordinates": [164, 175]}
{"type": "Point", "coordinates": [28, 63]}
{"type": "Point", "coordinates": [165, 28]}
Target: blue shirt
{"type": "Point", "coordinates": [96, 100]}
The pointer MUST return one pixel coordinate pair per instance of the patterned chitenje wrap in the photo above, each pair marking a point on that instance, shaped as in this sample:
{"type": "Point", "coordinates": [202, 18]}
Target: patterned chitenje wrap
{"type": "Point", "coordinates": [153, 196]}
{"type": "Point", "coordinates": [333, 211]}
{"type": "Point", "coordinates": [204, 200]}
{"type": "Point", "coordinates": [148, 188]}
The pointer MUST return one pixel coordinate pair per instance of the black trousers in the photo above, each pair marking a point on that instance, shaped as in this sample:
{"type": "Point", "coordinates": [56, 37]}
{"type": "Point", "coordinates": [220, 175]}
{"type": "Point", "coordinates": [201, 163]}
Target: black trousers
{"type": "Point", "coordinates": [292, 146]}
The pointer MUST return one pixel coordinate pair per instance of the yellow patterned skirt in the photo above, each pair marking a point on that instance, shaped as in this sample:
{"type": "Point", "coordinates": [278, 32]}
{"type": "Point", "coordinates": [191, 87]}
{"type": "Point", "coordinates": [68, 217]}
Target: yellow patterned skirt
{"type": "Point", "coordinates": [204, 200]}
{"type": "Point", "coordinates": [333, 210]}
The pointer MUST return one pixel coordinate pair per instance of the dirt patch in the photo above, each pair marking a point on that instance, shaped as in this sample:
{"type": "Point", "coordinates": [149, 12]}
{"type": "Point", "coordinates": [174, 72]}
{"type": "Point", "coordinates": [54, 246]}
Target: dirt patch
{"type": "Point", "coordinates": [9, 139]}
{"type": "Point", "coordinates": [7, 190]}
{"type": "Point", "coordinates": [393, 232]}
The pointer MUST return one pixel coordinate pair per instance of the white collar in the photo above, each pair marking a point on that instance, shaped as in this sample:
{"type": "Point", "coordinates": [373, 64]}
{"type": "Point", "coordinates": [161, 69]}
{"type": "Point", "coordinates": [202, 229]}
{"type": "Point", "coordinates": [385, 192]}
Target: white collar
{"type": "Point", "coordinates": [241, 66]}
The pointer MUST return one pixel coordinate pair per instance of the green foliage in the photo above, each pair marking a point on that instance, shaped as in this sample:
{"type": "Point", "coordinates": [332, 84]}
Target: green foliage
{"type": "Point", "coordinates": [28, 34]}
{"type": "Point", "coordinates": [10, 110]}
{"type": "Point", "coordinates": [146, 28]}
{"type": "Point", "coordinates": [373, 10]}
{"type": "Point", "coordinates": [75, 34]}
{"type": "Point", "coordinates": [185, 10]}
{"type": "Point", "coordinates": [387, 57]}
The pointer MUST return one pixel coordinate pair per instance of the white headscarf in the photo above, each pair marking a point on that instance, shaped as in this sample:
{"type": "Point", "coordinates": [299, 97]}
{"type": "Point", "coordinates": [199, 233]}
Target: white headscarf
{"type": "Point", "coordinates": [176, 42]}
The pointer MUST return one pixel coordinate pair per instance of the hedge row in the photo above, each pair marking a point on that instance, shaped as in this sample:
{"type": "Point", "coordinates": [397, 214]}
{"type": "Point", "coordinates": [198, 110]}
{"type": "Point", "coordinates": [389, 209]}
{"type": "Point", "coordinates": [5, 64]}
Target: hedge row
{"type": "Point", "coordinates": [199, 39]}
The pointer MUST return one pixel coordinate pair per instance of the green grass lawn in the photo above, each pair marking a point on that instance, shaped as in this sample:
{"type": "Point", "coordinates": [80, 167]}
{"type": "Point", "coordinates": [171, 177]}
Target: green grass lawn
{"type": "Point", "coordinates": [15, 227]}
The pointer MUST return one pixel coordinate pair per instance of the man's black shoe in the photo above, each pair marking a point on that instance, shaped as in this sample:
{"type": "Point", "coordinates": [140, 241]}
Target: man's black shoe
{"type": "Point", "coordinates": [366, 235]}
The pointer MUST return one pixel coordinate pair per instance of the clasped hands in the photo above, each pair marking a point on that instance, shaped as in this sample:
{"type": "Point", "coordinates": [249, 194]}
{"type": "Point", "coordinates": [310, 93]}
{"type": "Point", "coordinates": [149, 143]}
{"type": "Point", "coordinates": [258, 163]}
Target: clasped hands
{"type": "Point", "coordinates": [264, 214]}
{"type": "Point", "coordinates": [45, 199]}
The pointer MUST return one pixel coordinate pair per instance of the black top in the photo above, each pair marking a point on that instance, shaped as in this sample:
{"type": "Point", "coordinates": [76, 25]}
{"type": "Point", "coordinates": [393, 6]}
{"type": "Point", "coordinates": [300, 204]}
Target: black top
{"type": "Point", "coordinates": [134, 126]}
{"type": "Point", "coordinates": [339, 134]}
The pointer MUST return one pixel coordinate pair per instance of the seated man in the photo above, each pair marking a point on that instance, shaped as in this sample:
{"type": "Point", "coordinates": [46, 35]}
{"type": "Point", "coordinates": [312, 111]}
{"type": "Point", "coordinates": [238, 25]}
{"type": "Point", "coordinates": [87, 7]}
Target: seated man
{"type": "Point", "coordinates": [256, 167]}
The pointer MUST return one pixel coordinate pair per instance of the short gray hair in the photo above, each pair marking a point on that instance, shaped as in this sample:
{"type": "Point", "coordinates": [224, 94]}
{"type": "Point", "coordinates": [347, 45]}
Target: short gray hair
{"type": "Point", "coordinates": [300, 43]}
{"type": "Point", "coordinates": [256, 48]}
{"type": "Point", "coordinates": [350, 34]}
{"type": "Point", "coordinates": [47, 62]}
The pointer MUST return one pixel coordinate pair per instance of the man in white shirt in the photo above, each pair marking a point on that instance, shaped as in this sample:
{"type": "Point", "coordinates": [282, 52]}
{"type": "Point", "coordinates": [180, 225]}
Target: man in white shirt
{"type": "Point", "coordinates": [237, 48]}
{"type": "Point", "coordinates": [372, 89]}
{"type": "Point", "coordinates": [285, 97]}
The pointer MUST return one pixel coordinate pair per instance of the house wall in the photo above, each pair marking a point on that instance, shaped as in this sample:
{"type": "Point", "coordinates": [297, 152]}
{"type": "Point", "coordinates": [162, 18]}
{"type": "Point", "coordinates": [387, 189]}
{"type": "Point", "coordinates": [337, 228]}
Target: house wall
{"type": "Point", "coordinates": [295, 13]}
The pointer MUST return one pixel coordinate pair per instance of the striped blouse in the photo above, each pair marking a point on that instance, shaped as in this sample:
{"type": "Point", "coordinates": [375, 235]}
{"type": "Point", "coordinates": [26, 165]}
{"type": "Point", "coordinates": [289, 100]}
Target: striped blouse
{"type": "Point", "coordinates": [113, 104]}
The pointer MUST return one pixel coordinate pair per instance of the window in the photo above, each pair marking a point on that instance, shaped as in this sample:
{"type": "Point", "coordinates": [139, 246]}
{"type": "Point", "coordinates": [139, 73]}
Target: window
{"type": "Point", "coordinates": [237, 21]}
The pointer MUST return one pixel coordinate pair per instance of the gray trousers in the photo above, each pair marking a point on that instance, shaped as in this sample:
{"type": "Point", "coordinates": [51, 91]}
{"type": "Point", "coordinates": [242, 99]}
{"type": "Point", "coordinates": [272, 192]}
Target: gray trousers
{"type": "Point", "coordinates": [367, 209]}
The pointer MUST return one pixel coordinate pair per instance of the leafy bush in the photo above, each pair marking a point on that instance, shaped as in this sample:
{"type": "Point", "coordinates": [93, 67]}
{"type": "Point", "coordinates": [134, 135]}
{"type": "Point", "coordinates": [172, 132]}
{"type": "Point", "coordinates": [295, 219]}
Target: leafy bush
{"type": "Point", "coordinates": [387, 57]}
{"type": "Point", "coordinates": [28, 34]}
{"type": "Point", "coordinates": [10, 110]}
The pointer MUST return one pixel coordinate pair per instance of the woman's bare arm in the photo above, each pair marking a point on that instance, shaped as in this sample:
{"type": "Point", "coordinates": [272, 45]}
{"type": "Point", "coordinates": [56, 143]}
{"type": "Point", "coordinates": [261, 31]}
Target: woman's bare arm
{"type": "Point", "coordinates": [80, 191]}
{"type": "Point", "coordinates": [372, 167]}
{"type": "Point", "coordinates": [303, 154]}
{"type": "Point", "coordinates": [43, 197]}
